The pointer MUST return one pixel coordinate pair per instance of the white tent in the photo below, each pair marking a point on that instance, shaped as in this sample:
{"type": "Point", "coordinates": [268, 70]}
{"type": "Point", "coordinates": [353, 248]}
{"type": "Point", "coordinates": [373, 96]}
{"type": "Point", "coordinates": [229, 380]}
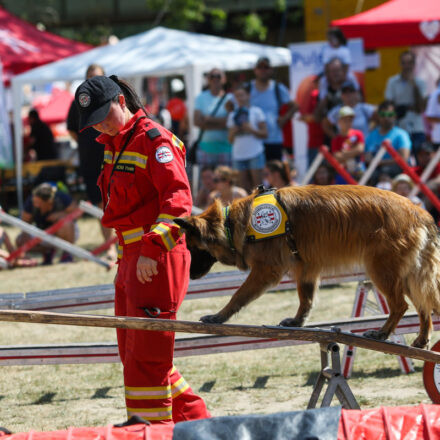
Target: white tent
{"type": "Point", "coordinates": [158, 52]}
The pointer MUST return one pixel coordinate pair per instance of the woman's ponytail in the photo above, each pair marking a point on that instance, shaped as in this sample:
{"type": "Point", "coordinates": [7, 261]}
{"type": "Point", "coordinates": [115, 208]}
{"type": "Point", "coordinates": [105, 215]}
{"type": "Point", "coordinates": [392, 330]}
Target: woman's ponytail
{"type": "Point", "coordinates": [132, 99]}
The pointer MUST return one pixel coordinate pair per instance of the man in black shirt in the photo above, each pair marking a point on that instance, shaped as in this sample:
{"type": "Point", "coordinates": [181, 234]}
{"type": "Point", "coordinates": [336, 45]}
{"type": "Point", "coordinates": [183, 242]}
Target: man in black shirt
{"type": "Point", "coordinates": [41, 137]}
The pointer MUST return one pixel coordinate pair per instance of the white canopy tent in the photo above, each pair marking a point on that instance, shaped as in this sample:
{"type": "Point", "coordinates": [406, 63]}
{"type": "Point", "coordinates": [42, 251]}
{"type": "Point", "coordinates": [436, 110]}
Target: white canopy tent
{"type": "Point", "coordinates": [158, 52]}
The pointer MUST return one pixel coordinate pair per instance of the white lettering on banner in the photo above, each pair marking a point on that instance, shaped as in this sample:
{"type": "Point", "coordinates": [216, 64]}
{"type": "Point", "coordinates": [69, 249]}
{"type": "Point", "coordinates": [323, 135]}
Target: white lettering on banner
{"type": "Point", "coordinates": [430, 29]}
{"type": "Point", "coordinates": [17, 45]}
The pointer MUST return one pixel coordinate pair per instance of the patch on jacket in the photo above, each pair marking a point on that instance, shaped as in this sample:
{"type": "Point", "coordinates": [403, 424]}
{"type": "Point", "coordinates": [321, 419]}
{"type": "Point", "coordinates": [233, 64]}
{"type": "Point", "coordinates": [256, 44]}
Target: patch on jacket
{"type": "Point", "coordinates": [125, 168]}
{"type": "Point", "coordinates": [153, 133]}
{"type": "Point", "coordinates": [164, 155]}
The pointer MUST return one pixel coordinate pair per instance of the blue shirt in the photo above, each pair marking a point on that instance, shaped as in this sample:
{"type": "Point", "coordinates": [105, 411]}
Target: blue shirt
{"type": "Point", "coordinates": [267, 101]}
{"type": "Point", "coordinates": [398, 137]}
{"type": "Point", "coordinates": [213, 141]}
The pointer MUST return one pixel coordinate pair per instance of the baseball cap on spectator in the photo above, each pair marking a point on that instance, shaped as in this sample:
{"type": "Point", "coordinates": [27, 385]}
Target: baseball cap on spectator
{"type": "Point", "coordinates": [345, 111]}
{"type": "Point", "coordinates": [93, 99]}
{"type": "Point", "coordinates": [348, 86]}
{"type": "Point", "coordinates": [402, 178]}
{"type": "Point", "coordinates": [263, 60]}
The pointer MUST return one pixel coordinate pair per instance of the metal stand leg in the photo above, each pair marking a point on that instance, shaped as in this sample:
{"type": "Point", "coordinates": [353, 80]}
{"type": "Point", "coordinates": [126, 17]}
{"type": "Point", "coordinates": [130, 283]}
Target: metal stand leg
{"type": "Point", "coordinates": [337, 383]}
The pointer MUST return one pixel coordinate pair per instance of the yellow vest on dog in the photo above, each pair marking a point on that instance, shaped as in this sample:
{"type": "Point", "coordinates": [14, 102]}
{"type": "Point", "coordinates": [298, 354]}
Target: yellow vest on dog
{"type": "Point", "coordinates": [268, 220]}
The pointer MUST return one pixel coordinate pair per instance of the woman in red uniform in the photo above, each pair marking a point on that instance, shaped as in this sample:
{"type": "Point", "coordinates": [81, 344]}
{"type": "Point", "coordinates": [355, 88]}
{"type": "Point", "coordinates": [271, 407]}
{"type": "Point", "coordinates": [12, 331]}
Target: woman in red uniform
{"type": "Point", "coordinates": [144, 187]}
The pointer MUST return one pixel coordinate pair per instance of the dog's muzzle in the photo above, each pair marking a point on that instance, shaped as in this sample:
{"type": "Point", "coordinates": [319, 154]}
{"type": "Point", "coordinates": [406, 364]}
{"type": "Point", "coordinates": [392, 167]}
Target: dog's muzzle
{"type": "Point", "coordinates": [201, 263]}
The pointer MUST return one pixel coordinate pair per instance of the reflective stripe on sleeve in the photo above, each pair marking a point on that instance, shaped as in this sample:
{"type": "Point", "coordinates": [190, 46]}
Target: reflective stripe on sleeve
{"type": "Point", "coordinates": [148, 393]}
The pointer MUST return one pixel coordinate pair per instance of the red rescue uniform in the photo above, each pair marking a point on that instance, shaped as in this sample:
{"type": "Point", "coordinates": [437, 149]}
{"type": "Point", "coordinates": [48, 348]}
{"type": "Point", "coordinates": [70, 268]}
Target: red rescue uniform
{"type": "Point", "coordinates": [142, 195]}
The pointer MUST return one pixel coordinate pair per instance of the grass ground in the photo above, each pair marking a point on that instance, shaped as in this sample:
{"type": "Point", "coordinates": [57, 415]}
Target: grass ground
{"type": "Point", "coordinates": [259, 381]}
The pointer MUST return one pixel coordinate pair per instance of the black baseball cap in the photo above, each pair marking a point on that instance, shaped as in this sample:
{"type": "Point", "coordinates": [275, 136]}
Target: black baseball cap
{"type": "Point", "coordinates": [93, 99]}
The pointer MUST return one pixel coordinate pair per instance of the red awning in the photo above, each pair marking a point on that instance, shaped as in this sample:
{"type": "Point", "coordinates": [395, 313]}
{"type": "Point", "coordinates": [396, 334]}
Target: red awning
{"type": "Point", "coordinates": [54, 108]}
{"type": "Point", "coordinates": [23, 46]}
{"type": "Point", "coordinates": [395, 23]}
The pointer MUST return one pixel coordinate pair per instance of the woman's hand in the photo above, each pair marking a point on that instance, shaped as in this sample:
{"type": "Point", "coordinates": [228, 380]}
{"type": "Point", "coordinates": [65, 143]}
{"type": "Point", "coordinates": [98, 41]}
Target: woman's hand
{"type": "Point", "coordinates": [145, 269]}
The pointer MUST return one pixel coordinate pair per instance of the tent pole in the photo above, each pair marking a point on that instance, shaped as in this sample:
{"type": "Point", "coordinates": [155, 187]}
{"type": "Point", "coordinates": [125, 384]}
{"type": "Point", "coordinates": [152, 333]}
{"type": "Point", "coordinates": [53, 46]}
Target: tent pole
{"type": "Point", "coordinates": [18, 141]}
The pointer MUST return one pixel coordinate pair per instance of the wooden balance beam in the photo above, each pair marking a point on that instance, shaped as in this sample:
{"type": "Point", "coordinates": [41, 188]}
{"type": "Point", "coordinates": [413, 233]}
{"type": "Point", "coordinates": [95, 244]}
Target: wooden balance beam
{"type": "Point", "coordinates": [275, 332]}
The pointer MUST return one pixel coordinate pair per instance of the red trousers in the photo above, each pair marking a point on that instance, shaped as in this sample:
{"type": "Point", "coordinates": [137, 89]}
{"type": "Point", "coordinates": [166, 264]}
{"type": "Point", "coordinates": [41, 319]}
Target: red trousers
{"type": "Point", "coordinates": [154, 389]}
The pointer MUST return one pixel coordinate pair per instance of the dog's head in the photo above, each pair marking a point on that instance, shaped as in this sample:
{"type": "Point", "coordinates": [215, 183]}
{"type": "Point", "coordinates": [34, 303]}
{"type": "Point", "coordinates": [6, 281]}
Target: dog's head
{"type": "Point", "coordinates": [206, 240]}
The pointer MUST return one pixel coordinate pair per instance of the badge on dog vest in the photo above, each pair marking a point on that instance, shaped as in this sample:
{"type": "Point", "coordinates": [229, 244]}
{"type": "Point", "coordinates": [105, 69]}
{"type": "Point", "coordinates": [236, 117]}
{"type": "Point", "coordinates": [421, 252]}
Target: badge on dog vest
{"type": "Point", "coordinates": [269, 219]}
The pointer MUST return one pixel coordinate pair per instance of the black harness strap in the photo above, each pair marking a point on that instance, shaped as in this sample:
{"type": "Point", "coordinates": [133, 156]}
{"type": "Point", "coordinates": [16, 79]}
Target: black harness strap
{"type": "Point", "coordinates": [130, 134]}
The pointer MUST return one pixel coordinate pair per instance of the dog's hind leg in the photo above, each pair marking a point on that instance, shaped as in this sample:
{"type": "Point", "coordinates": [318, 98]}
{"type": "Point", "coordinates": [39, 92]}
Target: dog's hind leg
{"type": "Point", "coordinates": [307, 283]}
{"type": "Point", "coordinates": [257, 282]}
{"type": "Point", "coordinates": [422, 340]}
{"type": "Point", "coordinates": [392, 287]}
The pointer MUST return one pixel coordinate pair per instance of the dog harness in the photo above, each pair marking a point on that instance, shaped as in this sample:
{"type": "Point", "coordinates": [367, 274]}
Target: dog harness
{"type": "Point", "coordinates": [269, 218]}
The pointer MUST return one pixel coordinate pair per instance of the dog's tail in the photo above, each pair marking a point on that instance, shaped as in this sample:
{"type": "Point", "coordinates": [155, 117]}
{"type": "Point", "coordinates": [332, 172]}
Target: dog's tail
{"type": "Point", "coordinates": [424, 277]}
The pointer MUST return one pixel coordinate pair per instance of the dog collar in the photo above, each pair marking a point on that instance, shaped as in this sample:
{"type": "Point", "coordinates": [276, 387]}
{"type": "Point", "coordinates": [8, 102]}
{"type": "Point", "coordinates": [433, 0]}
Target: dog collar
{"type": "Point", "coordinates": [228, 227]}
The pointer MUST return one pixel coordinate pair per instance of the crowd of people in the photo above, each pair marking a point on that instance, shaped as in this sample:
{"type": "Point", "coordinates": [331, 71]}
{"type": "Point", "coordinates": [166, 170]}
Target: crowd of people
{"type": "Point", "coordinates": [245, 134]}
{"type": "Point", "coordinates": [243, 130]}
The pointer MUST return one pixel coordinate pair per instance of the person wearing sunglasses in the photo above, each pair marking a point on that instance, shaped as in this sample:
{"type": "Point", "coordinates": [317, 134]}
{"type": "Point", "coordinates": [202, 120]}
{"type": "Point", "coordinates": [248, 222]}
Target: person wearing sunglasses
{"type": "Point", "coordinates": [225, 188]}
{"type": "Point", "coordinates": [387, 130]}
{"type": "Point", "coordinates": [210, 116]}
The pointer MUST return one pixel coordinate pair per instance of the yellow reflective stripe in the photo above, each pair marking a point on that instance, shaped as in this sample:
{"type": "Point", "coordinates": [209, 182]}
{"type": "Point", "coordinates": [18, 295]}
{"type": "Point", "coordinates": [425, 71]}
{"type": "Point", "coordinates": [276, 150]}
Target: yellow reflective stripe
{"type": "Point", "coordinates": [108, 156]}
{"type": "Point", "coordinates": [148, 393]}
{"type": "Point", "coordinates": [179, 387]}
{"type": "Point", "coordinates": [173, 370]}
{"type": "Point", "coordinates": [133, 158]}
{"type": "Point", "coordinates": [152, 413]}
{"type": "Point", "coordinates": [120, 250]}
{"type": "Point", "coordinates": [177, 142]}
{"type": "Point", "coordinates": [165, 218]}
{"type": "Point", "coordinates": [132, 235]}
{"type": "Point", "coordinates": [165, 233]}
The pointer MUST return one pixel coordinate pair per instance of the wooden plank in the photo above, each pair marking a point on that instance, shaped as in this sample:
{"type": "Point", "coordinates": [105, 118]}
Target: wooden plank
{"type": "Point", "coordinates": [107, 352]}
{"type": "Point", "coordinates": [272, 332]}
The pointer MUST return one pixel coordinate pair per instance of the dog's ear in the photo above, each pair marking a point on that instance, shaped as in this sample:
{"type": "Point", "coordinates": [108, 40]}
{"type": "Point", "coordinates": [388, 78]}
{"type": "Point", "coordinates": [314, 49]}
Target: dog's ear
{"type": "Point", "coordinates": [187, 226]}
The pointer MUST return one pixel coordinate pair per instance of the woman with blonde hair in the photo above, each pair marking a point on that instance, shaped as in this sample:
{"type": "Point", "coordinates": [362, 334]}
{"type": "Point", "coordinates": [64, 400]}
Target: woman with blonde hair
{"type": "Point", "coordinates": [224, 179]}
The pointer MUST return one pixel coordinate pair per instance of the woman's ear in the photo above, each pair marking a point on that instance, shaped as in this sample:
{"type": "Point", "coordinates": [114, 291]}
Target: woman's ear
{"type": "Point", "coordinates": [121, 99]}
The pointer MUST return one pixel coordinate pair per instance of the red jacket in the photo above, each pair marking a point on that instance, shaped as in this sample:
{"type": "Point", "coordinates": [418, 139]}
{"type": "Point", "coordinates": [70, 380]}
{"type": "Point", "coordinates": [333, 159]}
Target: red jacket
{"type": "Point", "coordinates": [148, 188]}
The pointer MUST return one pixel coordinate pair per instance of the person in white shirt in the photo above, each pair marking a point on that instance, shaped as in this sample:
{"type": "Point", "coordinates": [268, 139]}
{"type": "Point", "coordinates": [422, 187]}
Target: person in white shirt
{"type": "Point", "coordinates": [247, 129]}
{"type": "Point", "coordinates": [408, 93]}
{"type": "Point", "coordinates": [433, 115]}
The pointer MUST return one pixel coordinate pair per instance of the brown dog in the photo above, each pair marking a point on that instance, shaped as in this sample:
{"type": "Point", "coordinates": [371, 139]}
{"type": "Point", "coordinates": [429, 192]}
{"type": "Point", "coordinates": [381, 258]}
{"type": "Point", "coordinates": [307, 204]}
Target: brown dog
{"type": "Point", "coordinates": [331, 228]}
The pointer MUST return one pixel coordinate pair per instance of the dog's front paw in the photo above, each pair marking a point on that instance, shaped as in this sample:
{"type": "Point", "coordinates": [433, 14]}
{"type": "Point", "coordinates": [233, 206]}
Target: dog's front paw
{"type": "Point", "coordinates": [375, 334]}
{"type": "Point", "coordinates": [291, 322]}
{"type": "Point", "coordinates": [213, 319]}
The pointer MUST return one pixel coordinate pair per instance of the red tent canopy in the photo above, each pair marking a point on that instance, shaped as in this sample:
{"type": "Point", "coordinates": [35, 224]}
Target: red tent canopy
{"type": "Point", "coordinates": [55, 107]}
{"type": "Point", "coordinates": [395, 23]}
{"type": "Point", "coordinates": [23, 46]}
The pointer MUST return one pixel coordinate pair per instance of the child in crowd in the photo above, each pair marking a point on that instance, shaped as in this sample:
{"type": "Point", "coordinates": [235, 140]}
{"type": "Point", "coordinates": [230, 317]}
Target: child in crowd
{"type": "Point", "coordinates": [402, 185]}
{"type": "Point", "coordinates": [225, 189]}
{"type": "Point", "coordinates": [247, 129]}
{"type": "Point", "coordinates": [348, 146]}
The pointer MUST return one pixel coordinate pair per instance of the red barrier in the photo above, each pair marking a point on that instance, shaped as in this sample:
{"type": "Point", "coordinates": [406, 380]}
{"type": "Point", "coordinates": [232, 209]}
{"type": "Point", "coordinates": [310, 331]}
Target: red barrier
{"type": "Point", "coordinates": [103, 247]}
{"type": "Point", "coordinates": [336, 165]}
{"type": "Point", "coordinates": [50, 230]}
{"type": "Point", "coordinates": [408, 170]}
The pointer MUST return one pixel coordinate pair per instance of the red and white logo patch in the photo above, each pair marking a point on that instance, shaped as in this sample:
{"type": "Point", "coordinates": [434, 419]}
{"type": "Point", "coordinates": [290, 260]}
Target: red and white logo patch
{"type": "Point", "coordinates": [164, 155]}
{"type": "Point", "coordinates": [84, 100]}
{"type": "Point", "coordinates": [266, 218]}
